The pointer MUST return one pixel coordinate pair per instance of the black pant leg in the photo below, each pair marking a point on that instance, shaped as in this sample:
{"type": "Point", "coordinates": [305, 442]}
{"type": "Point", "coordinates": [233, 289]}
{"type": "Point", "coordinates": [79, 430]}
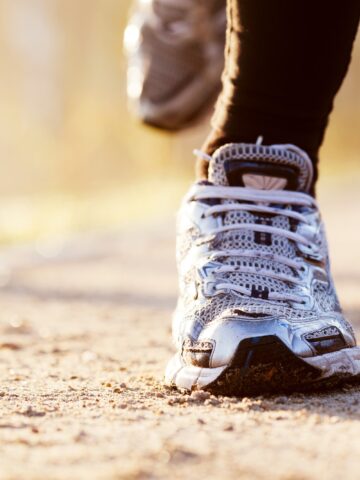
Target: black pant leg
{"type": "Point", "coordinates": [285, 61]}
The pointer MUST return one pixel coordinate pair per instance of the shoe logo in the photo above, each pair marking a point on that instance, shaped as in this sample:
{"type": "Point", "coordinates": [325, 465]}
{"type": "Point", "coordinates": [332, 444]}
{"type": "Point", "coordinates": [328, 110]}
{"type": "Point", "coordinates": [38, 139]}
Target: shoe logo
{"type": "Point", "coordinates": [197, 352]}
{"type": "Point", "coordinates": [264, 182]}
{"type": "Point", "coordinates": [327, 332]}
{"type": "Point", "coordinates": [326, 340]}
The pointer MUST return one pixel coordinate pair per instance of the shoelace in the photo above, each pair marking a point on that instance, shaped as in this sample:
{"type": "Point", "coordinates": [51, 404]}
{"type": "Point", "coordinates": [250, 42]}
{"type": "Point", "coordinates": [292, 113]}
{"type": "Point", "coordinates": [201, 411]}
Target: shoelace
{"type": "Point", "coordinates": [276, 202]}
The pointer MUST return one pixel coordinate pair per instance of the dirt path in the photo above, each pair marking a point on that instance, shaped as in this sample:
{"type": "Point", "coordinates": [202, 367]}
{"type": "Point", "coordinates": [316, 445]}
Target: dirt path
{"type": "Point", "coordinates": [84, 337]}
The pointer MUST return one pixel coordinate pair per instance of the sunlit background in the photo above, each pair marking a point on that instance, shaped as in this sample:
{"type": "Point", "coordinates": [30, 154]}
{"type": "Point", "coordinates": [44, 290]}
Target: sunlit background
{"type": "Point", "coordinates": [72, 159]}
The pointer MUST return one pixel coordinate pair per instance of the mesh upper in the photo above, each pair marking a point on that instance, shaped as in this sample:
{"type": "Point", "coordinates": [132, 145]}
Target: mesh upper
{"type": "Point", "coordinates": [197, 313]}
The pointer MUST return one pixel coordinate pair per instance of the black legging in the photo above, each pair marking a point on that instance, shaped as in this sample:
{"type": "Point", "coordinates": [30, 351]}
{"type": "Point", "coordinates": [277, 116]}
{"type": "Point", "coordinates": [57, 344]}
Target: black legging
{"type": "Point", "coordinates": [285, 61]}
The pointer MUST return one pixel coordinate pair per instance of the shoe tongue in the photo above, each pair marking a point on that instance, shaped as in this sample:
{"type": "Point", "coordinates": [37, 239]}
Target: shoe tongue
{"type": "Point", "coordinates": [264, 167]}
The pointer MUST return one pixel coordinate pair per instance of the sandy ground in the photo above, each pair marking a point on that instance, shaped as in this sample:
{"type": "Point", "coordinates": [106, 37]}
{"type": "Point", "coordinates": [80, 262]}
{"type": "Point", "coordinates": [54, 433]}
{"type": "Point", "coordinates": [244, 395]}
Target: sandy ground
{"type": "Point", "coordinates": [84, 337]}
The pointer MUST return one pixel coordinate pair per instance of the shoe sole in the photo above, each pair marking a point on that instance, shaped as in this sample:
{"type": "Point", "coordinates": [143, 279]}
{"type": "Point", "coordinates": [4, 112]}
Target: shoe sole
{"type": "Point", "coordinates": [266, 365]}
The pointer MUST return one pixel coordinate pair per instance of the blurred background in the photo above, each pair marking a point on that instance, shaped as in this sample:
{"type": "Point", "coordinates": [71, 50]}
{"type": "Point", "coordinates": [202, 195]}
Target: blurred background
{"type": "Point", "coordinates": [72, 159]}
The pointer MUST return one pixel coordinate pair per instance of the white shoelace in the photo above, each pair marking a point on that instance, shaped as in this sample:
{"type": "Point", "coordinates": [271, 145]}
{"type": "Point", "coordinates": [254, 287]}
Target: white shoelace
{"type": "Point", "coordinates": [276, 202]}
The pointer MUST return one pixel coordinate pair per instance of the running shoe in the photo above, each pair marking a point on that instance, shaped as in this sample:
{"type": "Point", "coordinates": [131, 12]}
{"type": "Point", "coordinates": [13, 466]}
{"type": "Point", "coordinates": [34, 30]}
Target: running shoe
{"type": "Point", "coordinates": [175, 54]}
{"type": "Point", "coordinates": [257, 311]}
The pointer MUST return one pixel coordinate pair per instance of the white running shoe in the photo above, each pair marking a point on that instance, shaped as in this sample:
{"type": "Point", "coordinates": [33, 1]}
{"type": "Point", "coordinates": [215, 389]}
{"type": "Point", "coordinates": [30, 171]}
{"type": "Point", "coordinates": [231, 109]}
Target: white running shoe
{"type": "Point", "coordinates": [257, 311]}
{"type": "Point", "coordinates": [175, 53]}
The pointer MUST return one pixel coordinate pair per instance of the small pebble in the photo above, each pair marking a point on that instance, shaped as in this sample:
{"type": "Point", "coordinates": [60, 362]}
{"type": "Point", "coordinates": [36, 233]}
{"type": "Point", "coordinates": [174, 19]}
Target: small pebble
{"type": "Point", "coordinates": [228, 428]}
{"type": "Point", "coordinates": [199, 395]}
